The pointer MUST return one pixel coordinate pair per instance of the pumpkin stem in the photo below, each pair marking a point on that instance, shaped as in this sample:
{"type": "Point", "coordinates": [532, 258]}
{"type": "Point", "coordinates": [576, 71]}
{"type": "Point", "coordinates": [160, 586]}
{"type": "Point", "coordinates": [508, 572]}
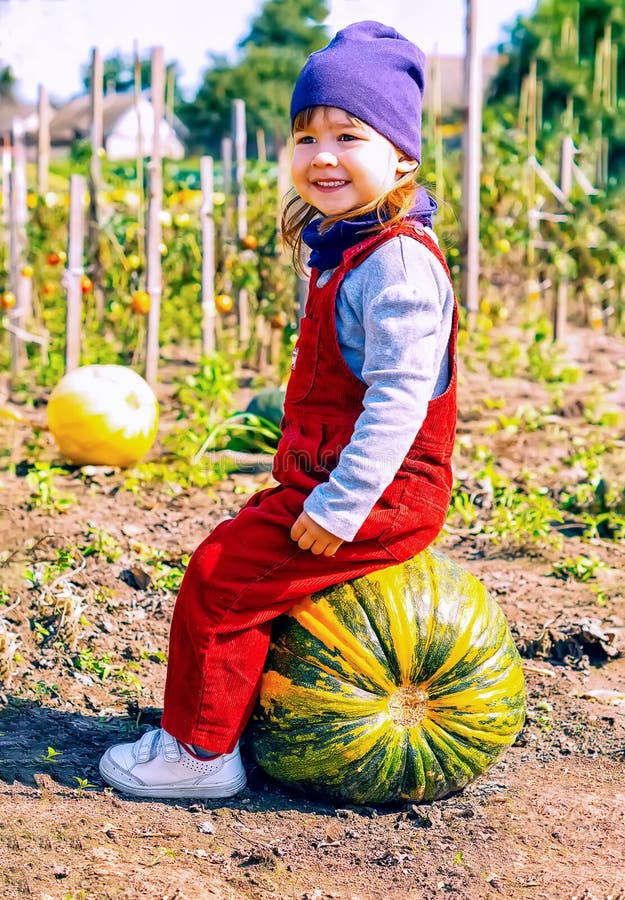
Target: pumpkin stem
{"type": "Point", "coordinates": [408, 705]}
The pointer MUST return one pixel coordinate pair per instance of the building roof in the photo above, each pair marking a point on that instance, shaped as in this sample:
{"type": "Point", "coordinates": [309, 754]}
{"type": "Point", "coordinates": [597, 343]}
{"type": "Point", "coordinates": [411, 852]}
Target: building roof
{"type": "Point", "coordinates": [73, 120]}
{"type": "Point", "coordinates": [11, 110]}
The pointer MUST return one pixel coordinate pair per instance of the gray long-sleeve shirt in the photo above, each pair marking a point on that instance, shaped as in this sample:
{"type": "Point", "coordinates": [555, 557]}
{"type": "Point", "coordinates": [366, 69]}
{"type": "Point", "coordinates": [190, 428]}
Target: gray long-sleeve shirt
{"type": "Point", "coordinates": [393, 313]}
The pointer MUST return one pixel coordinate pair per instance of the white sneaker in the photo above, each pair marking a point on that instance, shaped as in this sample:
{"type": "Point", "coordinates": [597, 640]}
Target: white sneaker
{"type": "Point", "coordinates": [157, 765]}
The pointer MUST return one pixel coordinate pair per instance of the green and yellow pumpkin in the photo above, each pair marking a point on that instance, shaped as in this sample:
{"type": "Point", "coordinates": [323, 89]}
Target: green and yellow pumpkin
{"type": "Point", "coordinates": [403, 684]}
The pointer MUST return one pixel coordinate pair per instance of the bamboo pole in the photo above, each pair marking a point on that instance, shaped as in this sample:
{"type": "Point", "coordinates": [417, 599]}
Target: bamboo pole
{"type": "Point", "coordinates": [239, 135]}
{"type": "Point", "coordinates": [18, 352]}
{"type": "Point", "coordinates": [74, 272]}
{"type": "Point", "coordinates": [209, 312]}
{"type": "Point", "coordinates": [226, 186]}
{"type": "Point", "coordinates": [170, 96]}
{"type": "Point", "coordinates": [226, 219]}
{"type": "Point", "coordinates": [6, 175]}
{"type": "Point", "coordinates": [610, 60]}
{"type": "Point", "coordinates": [613, 93]}
{"type": "Point", "coordinates": [261, 146]}
{"type": "Point", "coordinates": [97, 124]}
{"type": "Point", "coordinates": [226, 162]}
{"type": "Point", "coordinates": [18, 217]}
{"type": "Point", "coordinates": [95, 179]}
{"type": "Point", "coordinates": [471, 164]}
{"type": "Point", "coordinates": [437, 127]}
{"type": "Point", "coordinates": [153, 236]}
{"type": "Point", "coordinates": [532, 127]}
{"type": "Point", "coordinates": [139, 162]}
{"type": "Point", "coordinates": [43, 141]}
{"type": "Point", "coordinates": [20, 317]}
{"type": "Point", "coordinates": [560, 311]}
{"type": "Point", "coordinates": [240, 142]}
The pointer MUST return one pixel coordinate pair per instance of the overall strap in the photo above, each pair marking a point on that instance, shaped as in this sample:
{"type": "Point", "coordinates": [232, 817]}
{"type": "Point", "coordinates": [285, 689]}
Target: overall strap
{"type": "Point", "coordinates": [353, 256]}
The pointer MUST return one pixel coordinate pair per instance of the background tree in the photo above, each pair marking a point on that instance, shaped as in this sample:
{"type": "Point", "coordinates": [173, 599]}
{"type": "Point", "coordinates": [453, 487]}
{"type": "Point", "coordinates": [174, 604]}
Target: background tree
{"type": "Point", "coordinates": [283, 34]}
{"type": "Point", "coordinates": [7, 83]}
{"type": "Point", "coordinates": [579, 49]}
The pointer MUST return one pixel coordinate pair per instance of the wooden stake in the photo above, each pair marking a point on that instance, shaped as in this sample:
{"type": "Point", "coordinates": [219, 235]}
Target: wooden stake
{"type": "Point", "coordinates": [155, 203]}
{"type": "Point", "coordinates": [43, 141]}
{"type": "Point", "coordinates": [472, 162]}
{"type": "Point", "coordinates": [139, 162]}
{"type": "Point", "coordinates": [261, 149]}
{"type": "Point", "coordinates": [97, 123]}
{"type": "Point", "coordinates": [18, 216]}
{"type": "Point", "coordinates": [170, 96]}
{"type": "Point", "coordinates": [209, 312]}
{"type": "Point", "coordinates": [240, 143]}
{"type": "Point", "coordinates": [95, 179]}
{"type": "Point", "coordinates": [532, 109]}
{"type": "Point", "coordinates": [74, 272]}
{"type": "Point", "coordinates": [560, 312]}
{"type": "Point", "coordinates": [540, 89]}
{"type": "Point", "coordinates": [607, 65]}
{"type": "Point", "coordinates": [6, 175]}
{"type": "Point", "coordinates": [226, 163]}
{"type": "Point", "coordinates": [532, 117]}
{"type": "Point", "coordinates": [436, 115]}
{"type": "Point", "coordinates": [226, 186]}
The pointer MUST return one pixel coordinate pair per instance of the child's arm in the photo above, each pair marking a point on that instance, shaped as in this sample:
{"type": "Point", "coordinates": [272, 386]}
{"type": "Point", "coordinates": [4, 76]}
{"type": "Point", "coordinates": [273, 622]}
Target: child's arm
{"type": "Point", "coordinates": [401, 301]}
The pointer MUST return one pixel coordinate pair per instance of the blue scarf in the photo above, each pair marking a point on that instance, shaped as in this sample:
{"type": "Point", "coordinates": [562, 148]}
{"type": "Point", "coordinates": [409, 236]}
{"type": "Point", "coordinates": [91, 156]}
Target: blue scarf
{"type": "Point", "coordinates": [327, 248]}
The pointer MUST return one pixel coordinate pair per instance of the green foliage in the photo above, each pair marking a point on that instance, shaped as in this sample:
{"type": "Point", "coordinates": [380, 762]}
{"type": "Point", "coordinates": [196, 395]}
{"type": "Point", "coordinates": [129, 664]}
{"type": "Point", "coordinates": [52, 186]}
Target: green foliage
{"type": "Point", "coordinates": [532, 353]}
{"type": "Point", "coordinates": [45, 496]}
{"type": "Point", "coordinates": [284, 23]}
{"type": "Point", "coordinates": [51, 756]}
{"type": "Point", "coordinates": [518, 515]}
{"type": "Point", "coordinates": [101, 544]}
{"type": "Point", "coordinates": [578, 49]}
{"type": "Point", "coordinates": [83, 784]}
{"type": "Point", "coordinates": [86, 661]}
{"type": "Point", "coordinates": [580, 568]}
{"type": "Point", "coordinates": [208, 389]}
{"type": "Point", "coordinates": [280, 39]}
{"type": "Point", "coordinates": [244, 433]}
{"type": "Point", "coordinates": [7, 83]}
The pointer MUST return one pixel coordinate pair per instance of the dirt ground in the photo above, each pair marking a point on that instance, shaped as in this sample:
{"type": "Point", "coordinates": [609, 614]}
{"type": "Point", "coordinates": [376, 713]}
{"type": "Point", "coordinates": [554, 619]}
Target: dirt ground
{"type": "Point", "coordinates": [548, 821]}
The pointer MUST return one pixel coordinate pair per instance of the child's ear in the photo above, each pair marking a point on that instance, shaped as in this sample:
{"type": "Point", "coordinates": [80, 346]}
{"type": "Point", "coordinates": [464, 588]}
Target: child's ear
{"type": "Point", "coordinates": [405, 165]}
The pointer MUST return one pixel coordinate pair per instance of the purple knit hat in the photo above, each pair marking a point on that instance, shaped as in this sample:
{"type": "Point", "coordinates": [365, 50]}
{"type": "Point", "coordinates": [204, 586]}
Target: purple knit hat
{"type": "Point", "coordinates": [374, 73]}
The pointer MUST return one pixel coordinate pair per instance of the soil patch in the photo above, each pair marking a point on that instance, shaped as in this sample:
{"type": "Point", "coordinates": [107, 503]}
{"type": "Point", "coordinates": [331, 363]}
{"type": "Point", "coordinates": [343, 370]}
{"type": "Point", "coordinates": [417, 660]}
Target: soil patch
{"type": "Point", "coordinates": [547, 821]}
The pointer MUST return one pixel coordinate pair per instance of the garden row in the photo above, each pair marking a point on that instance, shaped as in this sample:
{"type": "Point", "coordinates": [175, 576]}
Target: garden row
{"type": "Point", "coordinates": [532, 242]}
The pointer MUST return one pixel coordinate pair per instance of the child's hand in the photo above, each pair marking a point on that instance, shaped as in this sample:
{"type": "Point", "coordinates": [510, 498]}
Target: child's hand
{"type": "Point", "coordinates": [310, 536]}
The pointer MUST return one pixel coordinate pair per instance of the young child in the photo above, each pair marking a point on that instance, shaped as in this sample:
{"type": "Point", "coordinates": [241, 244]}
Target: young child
{"type": "Point", "coordinates": [363, 466]}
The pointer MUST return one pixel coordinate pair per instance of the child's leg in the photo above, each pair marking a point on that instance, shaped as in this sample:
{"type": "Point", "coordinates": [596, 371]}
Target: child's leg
{"type": "Point", "coordinates": [247, 572]}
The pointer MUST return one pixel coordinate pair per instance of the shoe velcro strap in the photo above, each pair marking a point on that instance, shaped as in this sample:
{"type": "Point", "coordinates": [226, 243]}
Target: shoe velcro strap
{"type": "Point", "coordinates": [171, 747]}
{"type": "Point", "coordinates": [146, 746]}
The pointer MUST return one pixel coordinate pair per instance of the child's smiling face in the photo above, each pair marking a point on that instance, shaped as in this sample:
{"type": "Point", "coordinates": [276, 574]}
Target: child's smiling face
{"type": "Point", "coordinates": [339, 165]}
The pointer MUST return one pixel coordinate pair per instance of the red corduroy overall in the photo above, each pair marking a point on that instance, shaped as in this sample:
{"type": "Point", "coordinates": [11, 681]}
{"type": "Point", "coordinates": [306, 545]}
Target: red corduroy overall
{"type": "Point", "coordinates": [249, 570]}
